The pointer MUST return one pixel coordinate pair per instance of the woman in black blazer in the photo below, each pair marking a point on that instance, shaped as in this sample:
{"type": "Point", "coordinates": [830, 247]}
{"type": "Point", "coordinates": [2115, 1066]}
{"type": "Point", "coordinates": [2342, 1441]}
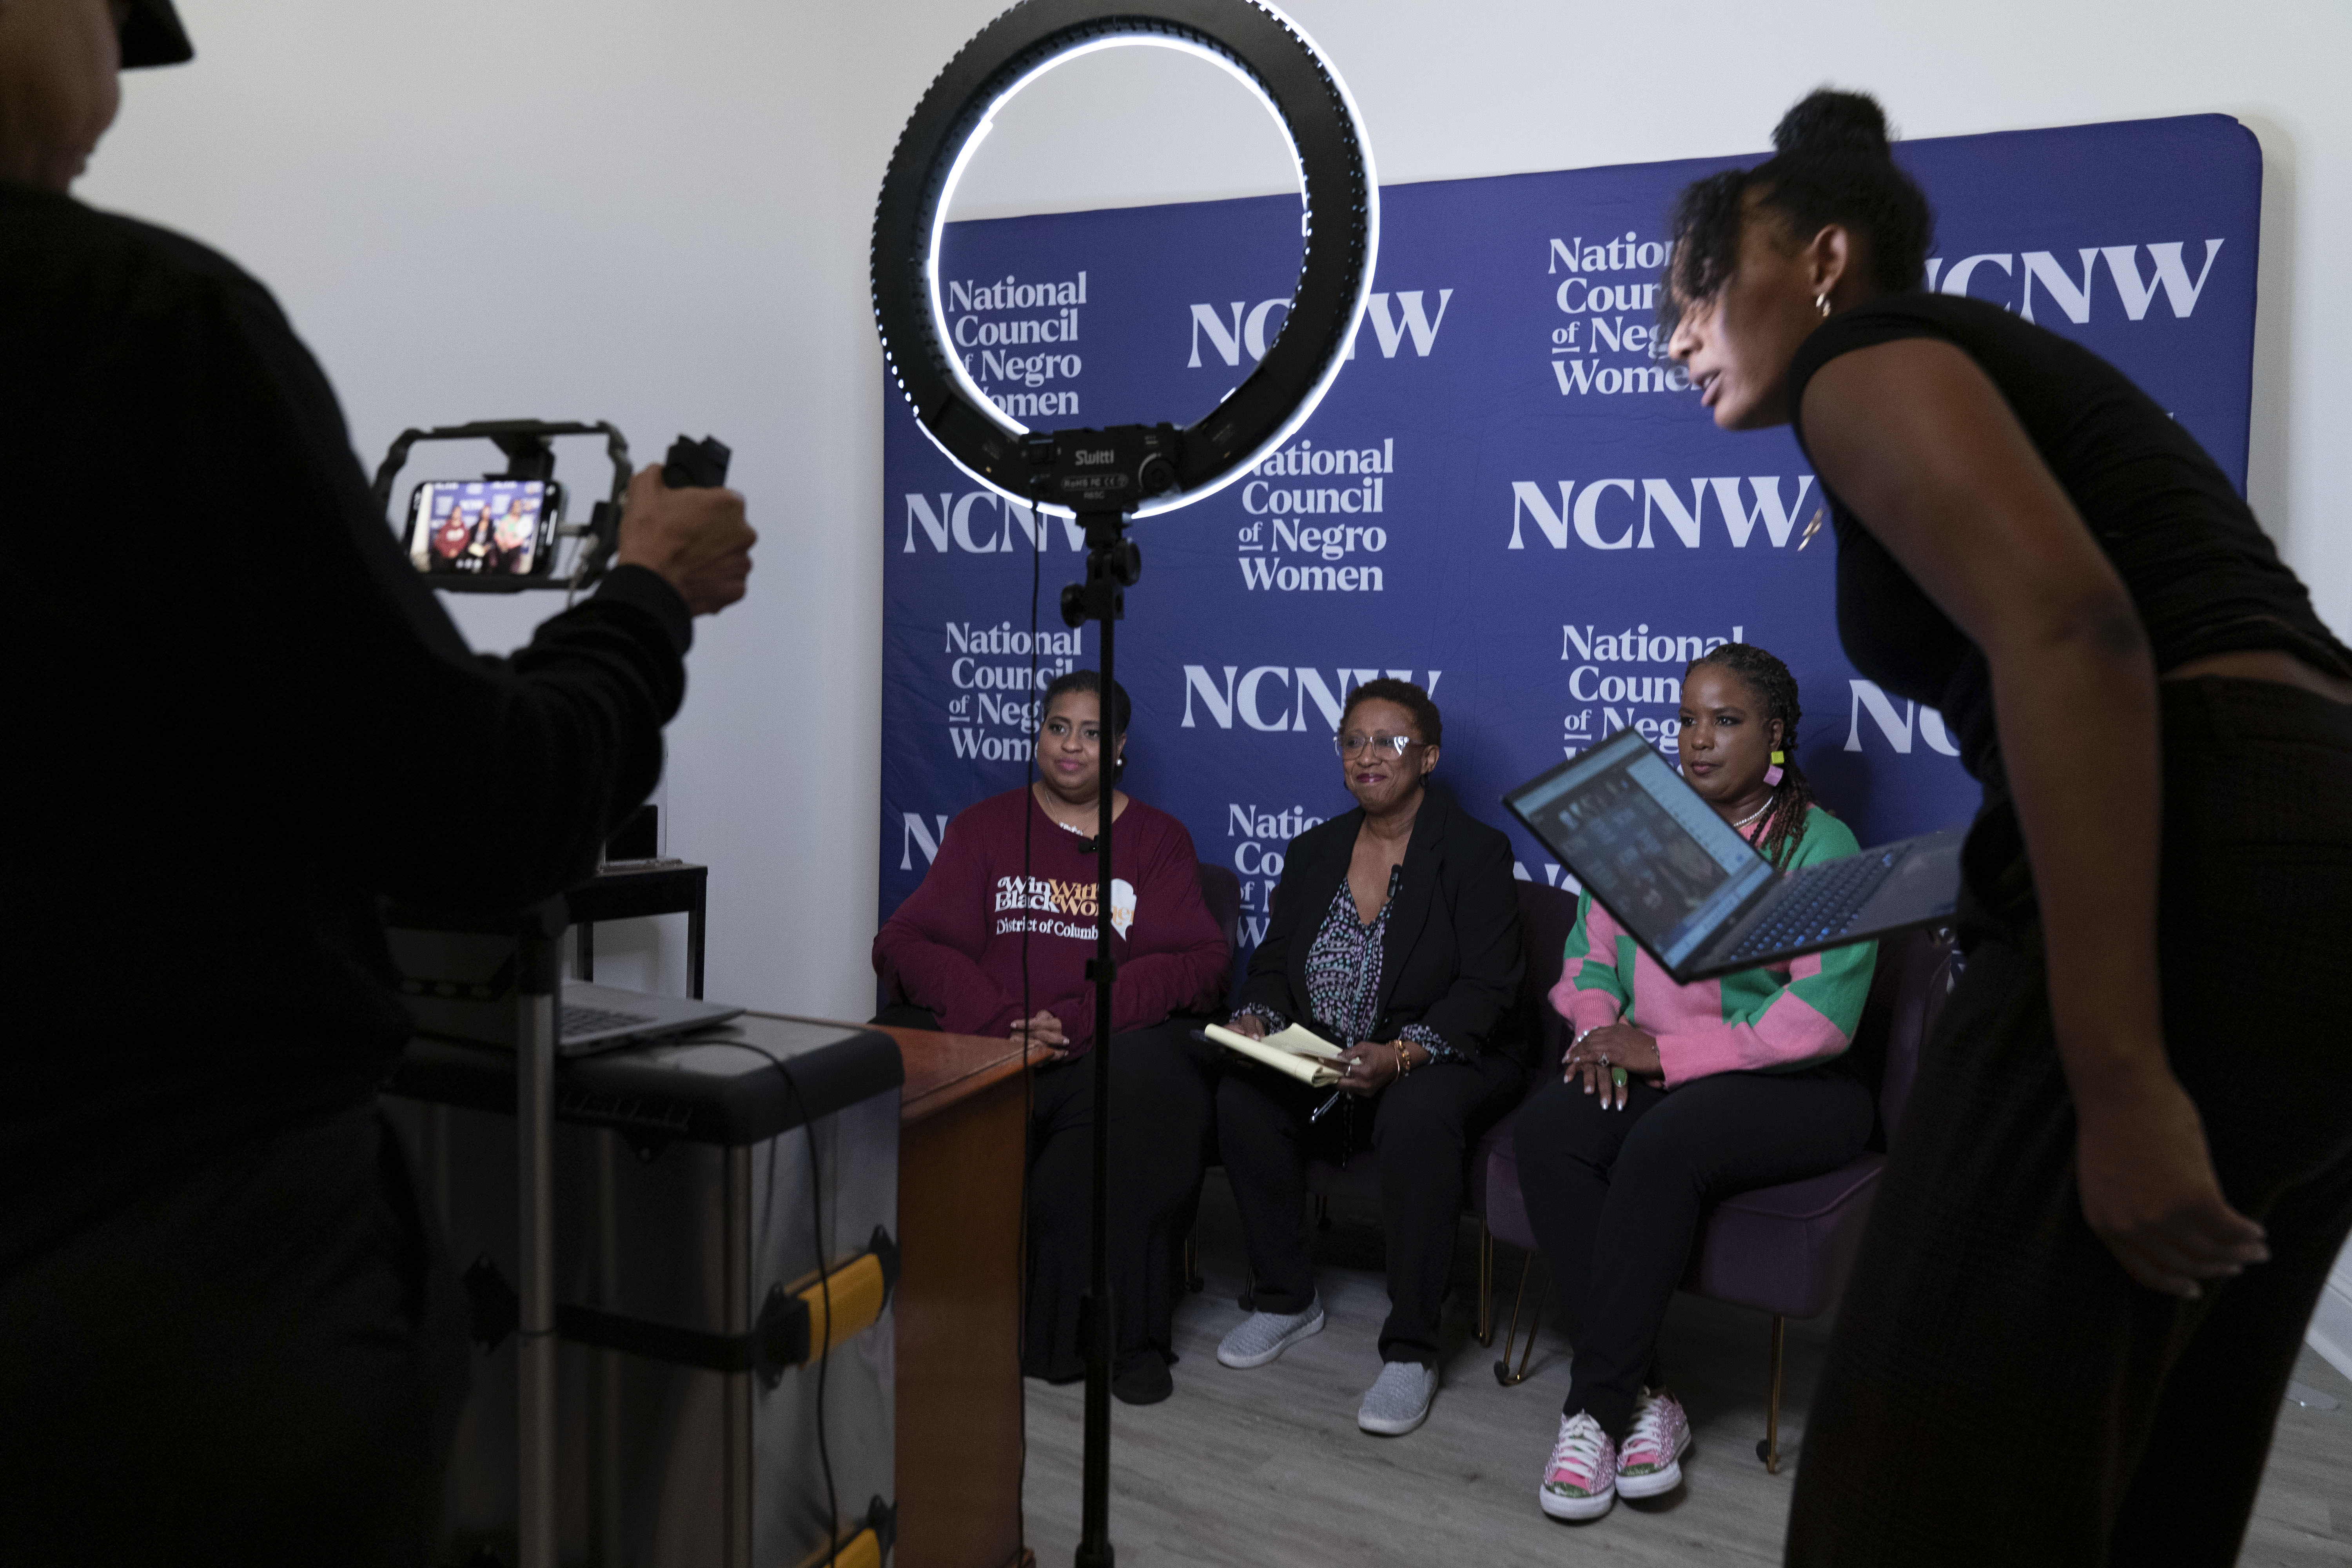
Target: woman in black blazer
{"type": "Point", "coordinates": [1394, 934]}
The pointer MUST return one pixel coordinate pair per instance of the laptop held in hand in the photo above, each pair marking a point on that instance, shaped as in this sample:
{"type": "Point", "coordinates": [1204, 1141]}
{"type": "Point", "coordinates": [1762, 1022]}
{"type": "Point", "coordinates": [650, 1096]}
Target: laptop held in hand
{"type": "Point", "coordinates": [1693, 892]}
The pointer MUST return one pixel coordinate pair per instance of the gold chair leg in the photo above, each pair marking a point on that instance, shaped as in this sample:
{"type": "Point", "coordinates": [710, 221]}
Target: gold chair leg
{"type": "Point", "coordinates": [1485, 1286]}
{"type": "Point", "coordinates": [1511, 1334]}
{"type": "Point", "coordinates": [1769, 1451]}
{"type": "Point", "coordinates": [1192, 1280]}
{"type": "Point", "coordinates": [1503, 1373]}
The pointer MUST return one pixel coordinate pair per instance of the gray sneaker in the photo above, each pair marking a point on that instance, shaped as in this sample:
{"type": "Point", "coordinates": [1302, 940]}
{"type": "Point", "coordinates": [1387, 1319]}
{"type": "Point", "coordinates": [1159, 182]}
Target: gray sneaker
{"type": "Point", "coordinates": [1399, 1402]}
{"type": "Point", "coordinates": [1262, 1336]}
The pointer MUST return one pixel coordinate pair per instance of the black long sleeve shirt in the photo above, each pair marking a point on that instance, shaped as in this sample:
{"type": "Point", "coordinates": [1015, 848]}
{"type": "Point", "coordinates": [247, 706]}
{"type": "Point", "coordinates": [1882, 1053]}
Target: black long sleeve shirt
{"type": "Point", "coordinates": [237, 720]}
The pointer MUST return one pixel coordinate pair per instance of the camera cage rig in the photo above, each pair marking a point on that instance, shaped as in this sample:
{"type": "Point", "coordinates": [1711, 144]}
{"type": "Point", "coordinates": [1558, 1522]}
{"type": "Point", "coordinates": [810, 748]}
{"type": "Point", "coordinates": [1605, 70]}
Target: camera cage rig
{"type": "Point", "coordinates": [531, 454]}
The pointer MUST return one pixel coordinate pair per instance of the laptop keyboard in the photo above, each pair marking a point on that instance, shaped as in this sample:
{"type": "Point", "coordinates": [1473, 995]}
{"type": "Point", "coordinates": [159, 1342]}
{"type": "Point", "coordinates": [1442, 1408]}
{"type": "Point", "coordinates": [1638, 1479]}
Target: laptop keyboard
{"type": "Point", "coordinates": [579, 1021]}
{"type": "Point", "coordinates": [1824, 902]}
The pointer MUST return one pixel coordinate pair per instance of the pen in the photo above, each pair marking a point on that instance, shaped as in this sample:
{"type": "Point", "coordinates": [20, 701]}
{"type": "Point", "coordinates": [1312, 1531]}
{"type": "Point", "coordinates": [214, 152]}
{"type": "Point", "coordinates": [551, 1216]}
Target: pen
{"type": "Point", "coordinates": [1316, 1115]}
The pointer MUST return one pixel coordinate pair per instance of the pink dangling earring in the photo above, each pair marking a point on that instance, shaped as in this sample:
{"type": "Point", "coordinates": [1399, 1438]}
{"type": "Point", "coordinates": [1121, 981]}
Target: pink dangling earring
{"type": "Point", "coordinates": [1772, 773]}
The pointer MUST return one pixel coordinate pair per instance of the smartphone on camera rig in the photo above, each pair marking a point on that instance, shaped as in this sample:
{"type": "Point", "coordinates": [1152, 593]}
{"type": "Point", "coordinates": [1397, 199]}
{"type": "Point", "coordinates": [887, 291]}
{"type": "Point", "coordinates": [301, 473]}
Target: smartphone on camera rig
{"type": "Point", "coordinates": [484, 527]}
{"type": "Point", "coordinates": [501, 534]}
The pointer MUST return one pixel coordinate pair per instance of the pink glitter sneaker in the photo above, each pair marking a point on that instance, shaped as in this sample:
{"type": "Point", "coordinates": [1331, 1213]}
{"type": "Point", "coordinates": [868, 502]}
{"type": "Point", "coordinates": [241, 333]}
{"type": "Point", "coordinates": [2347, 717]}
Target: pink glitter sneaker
{"type": "Point", "coordinates": [1651, 1463]}
{"type": "Point", "coordinates": [1580, 1477]}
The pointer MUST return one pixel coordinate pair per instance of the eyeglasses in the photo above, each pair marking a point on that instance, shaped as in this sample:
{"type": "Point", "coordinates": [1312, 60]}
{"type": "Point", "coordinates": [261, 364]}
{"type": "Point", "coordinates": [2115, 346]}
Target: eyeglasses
{"type": "Point", "coordinates": [1349, 745]}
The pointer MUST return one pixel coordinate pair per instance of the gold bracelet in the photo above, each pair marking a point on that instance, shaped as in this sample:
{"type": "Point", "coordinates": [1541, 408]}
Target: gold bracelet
{"type": "Point", "coordinates": [1404, 1063]}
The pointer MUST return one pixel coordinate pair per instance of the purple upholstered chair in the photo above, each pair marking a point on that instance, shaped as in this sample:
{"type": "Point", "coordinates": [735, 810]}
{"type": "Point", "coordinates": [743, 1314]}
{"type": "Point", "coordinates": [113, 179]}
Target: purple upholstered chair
{"type": "Point", "coordinates": [1547, 915]}
{"type": "Point", "coordinates": [1220, 890]}
{"type": "Point", "coordinates": [1785, 1250]}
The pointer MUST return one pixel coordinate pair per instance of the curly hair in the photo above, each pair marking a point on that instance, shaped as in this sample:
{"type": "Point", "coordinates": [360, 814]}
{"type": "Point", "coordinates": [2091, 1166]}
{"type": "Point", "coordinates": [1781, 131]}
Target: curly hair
{"type": "Point", "coordinates": [1783, 827]}
{"type": "Point", "coordinates": [1405, 695]}
{"type": "Point", "coordinates": [1831, 164]}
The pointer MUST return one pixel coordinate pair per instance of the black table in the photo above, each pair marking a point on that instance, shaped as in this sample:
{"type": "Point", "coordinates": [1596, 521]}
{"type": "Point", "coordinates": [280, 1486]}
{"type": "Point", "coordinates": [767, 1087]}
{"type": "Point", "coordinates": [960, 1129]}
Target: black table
{"type": "Point", "coordinates": [633, 891]}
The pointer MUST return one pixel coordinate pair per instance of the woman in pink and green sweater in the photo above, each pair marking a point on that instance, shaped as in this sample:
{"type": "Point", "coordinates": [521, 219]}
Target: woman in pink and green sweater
{"type": "Point", "coordinates": [1675, 1095]}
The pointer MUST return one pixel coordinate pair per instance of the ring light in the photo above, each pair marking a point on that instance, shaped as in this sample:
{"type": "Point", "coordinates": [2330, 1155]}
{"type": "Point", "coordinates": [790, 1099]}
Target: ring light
{"type": "Point", "coordinates": [1106, 477]}
{"type": "Point", "coordinates": [1267, 53]}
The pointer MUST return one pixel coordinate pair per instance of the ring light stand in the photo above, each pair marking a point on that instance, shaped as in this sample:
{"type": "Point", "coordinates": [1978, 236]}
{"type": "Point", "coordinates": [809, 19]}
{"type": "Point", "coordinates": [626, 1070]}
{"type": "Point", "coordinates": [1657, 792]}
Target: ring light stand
{"type": "Point", "coordinates": [1106, 478]}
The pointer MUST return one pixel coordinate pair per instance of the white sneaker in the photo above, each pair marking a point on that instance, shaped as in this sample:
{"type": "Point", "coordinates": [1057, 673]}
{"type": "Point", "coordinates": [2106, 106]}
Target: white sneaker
{"type": "Point", "coordinates": [1399, 1400]}
{"type": "Point", "coordinates": [1651, 1463]}
{"type": "Point", "coordinates": [1262, 1336]}
{"type": "Point", "coordinates": [1580, 1479]}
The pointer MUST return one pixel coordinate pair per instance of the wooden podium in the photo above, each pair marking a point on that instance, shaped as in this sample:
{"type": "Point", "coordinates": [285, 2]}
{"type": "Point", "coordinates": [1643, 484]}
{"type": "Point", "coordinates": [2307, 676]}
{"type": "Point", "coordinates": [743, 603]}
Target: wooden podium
{"type": "Point", "coordinates": [962, 1136]}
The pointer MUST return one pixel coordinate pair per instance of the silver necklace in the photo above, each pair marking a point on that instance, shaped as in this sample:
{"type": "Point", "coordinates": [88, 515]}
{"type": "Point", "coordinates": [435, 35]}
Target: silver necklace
{"type": "Point", "coordinates": [1754, 814]}
{"type": "Point", "coordinates": [1056, 821]}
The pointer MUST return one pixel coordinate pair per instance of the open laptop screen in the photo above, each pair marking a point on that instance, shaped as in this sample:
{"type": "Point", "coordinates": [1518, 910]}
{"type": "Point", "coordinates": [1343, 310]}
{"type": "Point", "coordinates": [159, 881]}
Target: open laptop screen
{"type": "Point", "coordinates": [1649, 848]}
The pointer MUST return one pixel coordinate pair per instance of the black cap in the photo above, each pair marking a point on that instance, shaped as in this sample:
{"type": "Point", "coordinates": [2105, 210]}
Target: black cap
{"type": "Point", "coordinates": [151, 36]}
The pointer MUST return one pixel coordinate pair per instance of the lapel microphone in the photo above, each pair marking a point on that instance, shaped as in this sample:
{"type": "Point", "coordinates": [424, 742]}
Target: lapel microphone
{"type": "Point", "coordinates": [1396, 880]}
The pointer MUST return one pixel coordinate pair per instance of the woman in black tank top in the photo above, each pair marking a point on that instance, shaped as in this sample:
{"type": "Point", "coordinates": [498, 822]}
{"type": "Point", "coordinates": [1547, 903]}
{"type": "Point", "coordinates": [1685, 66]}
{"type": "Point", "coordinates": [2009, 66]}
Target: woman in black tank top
{"type": "Point", "coordinates": [2127, 1166]}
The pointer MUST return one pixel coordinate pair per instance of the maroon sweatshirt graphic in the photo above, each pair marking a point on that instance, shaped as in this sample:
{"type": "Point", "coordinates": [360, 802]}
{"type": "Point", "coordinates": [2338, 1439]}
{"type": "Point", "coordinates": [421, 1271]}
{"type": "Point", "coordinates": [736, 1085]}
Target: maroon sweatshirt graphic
{"type": "Point", "coordinates": [955, 946]}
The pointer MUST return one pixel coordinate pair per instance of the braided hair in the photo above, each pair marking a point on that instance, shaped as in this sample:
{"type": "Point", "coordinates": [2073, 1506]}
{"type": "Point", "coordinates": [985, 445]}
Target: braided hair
{"type": "Point", "coordinates": [1783, 827]}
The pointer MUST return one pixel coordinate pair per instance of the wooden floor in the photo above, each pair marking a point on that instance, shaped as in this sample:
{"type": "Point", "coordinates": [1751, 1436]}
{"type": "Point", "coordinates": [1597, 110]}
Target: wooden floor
{"type": "Point", "coordinates": [1268, 1467]}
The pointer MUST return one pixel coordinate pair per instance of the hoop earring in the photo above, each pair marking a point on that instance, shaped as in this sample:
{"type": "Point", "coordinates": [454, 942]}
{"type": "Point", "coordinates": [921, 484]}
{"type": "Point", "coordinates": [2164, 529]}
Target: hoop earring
{"type": "Point", "coordinates": [1822, 304]}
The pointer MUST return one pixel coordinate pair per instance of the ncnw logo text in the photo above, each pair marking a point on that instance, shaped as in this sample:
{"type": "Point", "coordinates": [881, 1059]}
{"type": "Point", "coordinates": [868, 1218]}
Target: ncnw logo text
{"type": "Point", "coordinates": [1250, 333]}
{"type": "Point", "coordinates": [1246, 693]}
{"type": "Point", "coordinates": [1634, 507]}
{"type": "Point", "coordinates": [2071, 294]}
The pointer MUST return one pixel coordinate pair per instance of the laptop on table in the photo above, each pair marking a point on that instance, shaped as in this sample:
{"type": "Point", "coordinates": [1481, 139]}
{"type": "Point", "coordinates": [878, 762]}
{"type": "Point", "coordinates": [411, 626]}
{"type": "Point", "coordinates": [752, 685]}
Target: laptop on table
{"type": "Point", "coordinates": [461, 984]}
{"type": "Point", "coordinates": [1693, 892]}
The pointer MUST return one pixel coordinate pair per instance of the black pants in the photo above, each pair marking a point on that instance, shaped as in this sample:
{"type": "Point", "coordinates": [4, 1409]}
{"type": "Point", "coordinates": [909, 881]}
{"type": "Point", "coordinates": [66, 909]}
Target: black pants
{"type": "Point", "coordinates": [1161, 1096]}
{"type": "Point", "coordinates": [1161, 1089]}
{"type": "Point", "coordinates": [262, 1364]}
{"type": "Point", "coordinates": [1421, 1128]}
{"type": "Point", "coordinates": [1615, 1196]}
{"type": "Point", "coordinates": [1998, 1388]}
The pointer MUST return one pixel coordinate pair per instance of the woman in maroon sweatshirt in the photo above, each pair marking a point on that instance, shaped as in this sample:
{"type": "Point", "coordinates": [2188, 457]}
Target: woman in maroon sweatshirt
{"type": "Point", "coordinates": [955, 951]}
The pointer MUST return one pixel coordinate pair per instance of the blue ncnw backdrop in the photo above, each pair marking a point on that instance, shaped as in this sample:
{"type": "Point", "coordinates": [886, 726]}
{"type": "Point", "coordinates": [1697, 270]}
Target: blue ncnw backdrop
{"type": "Point", "coordinates": [1510, 496]}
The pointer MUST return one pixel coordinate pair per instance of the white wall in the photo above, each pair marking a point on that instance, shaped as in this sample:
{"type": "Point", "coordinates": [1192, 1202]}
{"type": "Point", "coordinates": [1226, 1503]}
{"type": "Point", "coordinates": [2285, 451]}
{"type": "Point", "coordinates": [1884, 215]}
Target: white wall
{"type": "Point", "coordinates": [656, 212]}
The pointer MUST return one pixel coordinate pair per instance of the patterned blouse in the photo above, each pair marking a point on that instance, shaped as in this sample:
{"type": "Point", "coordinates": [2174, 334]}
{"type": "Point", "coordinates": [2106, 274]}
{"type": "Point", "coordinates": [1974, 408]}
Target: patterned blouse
{"type": "Point", "coordinates": [1343, 980]}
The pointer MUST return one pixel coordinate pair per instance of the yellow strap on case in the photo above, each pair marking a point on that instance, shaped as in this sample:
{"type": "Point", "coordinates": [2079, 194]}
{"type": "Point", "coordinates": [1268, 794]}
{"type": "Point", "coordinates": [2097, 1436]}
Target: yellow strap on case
{"type": "Point", "coordinates": [863, 1550]}
{"type": "Point", "coordinates": [858, 1291]}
